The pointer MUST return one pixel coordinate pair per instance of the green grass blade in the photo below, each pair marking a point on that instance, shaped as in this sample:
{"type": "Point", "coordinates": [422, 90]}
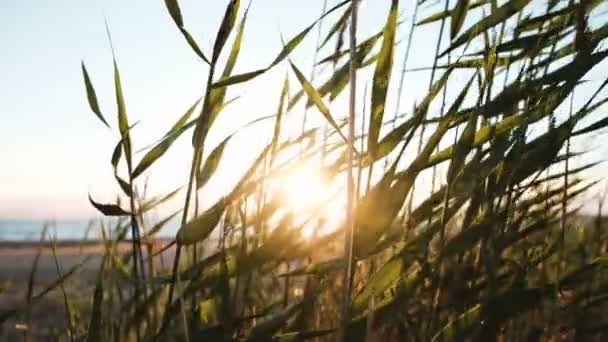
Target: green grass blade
{"type": "Point", "coordinates": [287, 49]}
{"type": "Point", "coordinates": [458, 14]}
{"type": "Point", "coordinates": [108, 209]}
{"type": "Point", "coordinates": [96, 324]}
{"type": "Point", "coordinates": [211, 164]}
{"type": "Point", "coordinates": [176, 15]}
{"type": "Point", "coordinates": [501, 14]}
{"type": "Point", "coordinates": [92, 96]}
{"type": "Point", "coordinates": [315, 97]}
{"type": "Point", "coordinates": [444, 14]}
{"type": "Point", "coordinates": [217, 96]}
{"type": "Point", "coordinates": [199, 228]}
{"type": "Point", "coordinates": [123, 121]}
{"type": "Point", "coordinates": [160, 224]}
{"type": "Point", "coordinates": [225, 29]}
{"type": "Point", "coordinates": [381, 80]}
{"type": "Point", "coordinates": [465, 143]}
{"type": "Point", "coordinates": [163, 146]}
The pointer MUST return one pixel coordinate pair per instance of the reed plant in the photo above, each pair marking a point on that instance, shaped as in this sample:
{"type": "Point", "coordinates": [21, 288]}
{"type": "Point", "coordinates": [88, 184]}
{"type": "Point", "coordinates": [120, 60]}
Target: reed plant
{"type": "Point", "coordinates": [490, 248]}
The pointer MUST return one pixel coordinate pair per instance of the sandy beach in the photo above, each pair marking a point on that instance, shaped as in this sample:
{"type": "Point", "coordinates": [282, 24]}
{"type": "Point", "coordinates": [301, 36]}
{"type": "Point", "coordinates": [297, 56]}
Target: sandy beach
{"type": "Point", "coordinates": [47, 314]}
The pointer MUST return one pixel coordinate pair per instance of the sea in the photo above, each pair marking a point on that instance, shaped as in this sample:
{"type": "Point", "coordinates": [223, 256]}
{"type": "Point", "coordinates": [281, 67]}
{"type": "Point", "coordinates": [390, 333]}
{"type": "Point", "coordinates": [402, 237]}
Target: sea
{"type": "Point", "coordinates": [31, 230]}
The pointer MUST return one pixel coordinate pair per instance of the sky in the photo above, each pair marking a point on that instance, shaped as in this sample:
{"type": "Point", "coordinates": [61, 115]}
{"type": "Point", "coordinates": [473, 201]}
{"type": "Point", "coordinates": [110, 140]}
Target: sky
{"type": "Point", "coordinates": [55, 152]}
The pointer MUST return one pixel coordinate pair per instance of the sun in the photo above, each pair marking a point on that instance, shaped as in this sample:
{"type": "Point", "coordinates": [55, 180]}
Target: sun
{"type": "Point", "coordinates": [308, 194]}
{"type": "Point", "coordinates": [304, 188]}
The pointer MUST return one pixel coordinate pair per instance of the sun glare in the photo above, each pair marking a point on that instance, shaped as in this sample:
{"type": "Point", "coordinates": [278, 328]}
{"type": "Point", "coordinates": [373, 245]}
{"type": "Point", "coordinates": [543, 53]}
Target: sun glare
{"type": "Point", "coordinates": [304, 188]}
{"type": "Point", "coordinates": [306, 192]}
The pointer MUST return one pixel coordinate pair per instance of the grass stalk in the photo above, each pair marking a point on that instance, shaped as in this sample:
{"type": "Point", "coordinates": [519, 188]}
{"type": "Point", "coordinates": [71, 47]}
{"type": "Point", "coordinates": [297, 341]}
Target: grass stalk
{"type": "Point", "coordinates": [350, 219]}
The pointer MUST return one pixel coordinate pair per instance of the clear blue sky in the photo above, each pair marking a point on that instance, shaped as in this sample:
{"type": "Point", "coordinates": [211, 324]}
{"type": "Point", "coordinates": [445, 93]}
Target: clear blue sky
{"type": "Point", "coordinates": [54, 151]}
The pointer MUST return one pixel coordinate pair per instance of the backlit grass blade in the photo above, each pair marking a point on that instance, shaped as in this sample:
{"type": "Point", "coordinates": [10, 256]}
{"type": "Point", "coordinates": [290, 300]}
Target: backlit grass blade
{"type": "Point", "coordinates": [265, 330]}
{"type": "Point", "coordinates": [276, 134]}
{"type": "Point", "coordinates": [163, 146]}
{"type": "Point", "coordinates": [464, 144]}
{"type": "Point", "coordinates": [560, 18]}
{"type": "Point", "coordinates": [96, 324]}
{"type": "Point", "coordinates": [157, 201]}
{"type": "Point", "coordinates": [161, 224]}
{"type": "Point", "coordinates": [337, 26]}
{"type": "Point", "coordinates": [117, 152]}
{"type": "Point", "coordinates": [334, 57]}
{"type": "Point", "coordinates": [314, 96]}
{"type": "Point", "coordinates": [67, 305]}
{"type": "Point", "coordinates": [443, 14]}
{"type": "Point", "coordinates": [211, 164]}
{"type": "Point", "coordinates": [339, 79]}
{"type": "Point", "coordinates": [458, 14]}
{"type": "Point", "coordinates": [124, 185]}
{"type": "Point", "coordinates": [501, 14]}
{"type": "Point", "coordinates": [381, 80]}
{"type": "Point", "coordinates": [217, 96]}
{"type": "Point", "coordinates": [176, 14]}
{"type": "Point", "coordinates": [287, 49]}
{"type": "Point", "coordinates": [225, 29]}
{"type": "Point", "coordinates": [123, 121]}
{"type": "Point", "coordinates": [92, 96]}
{"type": "Point", "coordinates": [199, 228]}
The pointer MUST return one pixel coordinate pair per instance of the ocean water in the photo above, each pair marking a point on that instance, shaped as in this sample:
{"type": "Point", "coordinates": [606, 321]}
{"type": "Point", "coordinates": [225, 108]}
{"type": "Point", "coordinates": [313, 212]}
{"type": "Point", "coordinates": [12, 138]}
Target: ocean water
{"type": "Point", "coordinates": [31, 230]}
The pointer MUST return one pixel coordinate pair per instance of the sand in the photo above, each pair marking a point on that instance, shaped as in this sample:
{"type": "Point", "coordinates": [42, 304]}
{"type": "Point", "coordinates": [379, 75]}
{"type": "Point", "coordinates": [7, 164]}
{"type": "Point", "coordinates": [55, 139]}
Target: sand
{"type": "Point", "coordinates": [16, 260]}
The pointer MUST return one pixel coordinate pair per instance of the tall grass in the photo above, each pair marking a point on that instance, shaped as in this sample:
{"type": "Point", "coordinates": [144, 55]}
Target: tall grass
{"type": "Point", "coordinates": [493, 252]}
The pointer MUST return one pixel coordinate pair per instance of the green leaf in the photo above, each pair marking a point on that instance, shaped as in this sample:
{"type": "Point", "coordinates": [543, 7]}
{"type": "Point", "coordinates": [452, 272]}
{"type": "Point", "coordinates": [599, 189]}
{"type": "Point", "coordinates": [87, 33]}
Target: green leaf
{"type": "Point", "coordinates": [596, 125]}
{"type": "Point", "coordinates": [92, 96]}
{"type": "Point", "coordinates": [108, 209]}
{"type": "Point", "coordinates": [339, 79]}
{"type": "Point", "coordinates": [163, 146]}
{"type": "Point", "coordinates": [96, 324]}
{"type": "Point", "coordinates": [459, 13]}
{"type": "Point", "coordinates": [287, 49]}
{"type": "Point", "coordinates": [123, 121]}
{"type": "Point", "coordinates": [556, 19]}
{"type": "Point", "coordinates": [155, 202]}
{"type": "Point", "coordinates": [334, 57]}
{"type": "Point", "coordinates": [211, 164]}
{"type": "Point", "coordinates": [199, 228]}
{"type": "Point", "coordinates": [381, 79]}
{"type": "Point", "coordinates": [225, 29]}
{"type": "Point", "coordinates": [176, 14]}
{"type": "Point", "coordinates": [499, 15]}
{"type": "Point", "coordinates": [445, 14]}
{"type": "Point", "coordinates": [465, 143]}
{"type": "Point", "coordinates": [266, 329]}
{"type": "Point", "coordinates": [337, 26]}
{"type": "Point", "coordinates": [534, 42]}
{"type": "Point", "coordinates": [117, 152]}
{"type": "Point", "coordinates": [314, 96]}
{"type": "Point", "coordinates": [424, 105]}
{"type": "Point", "coordinates": [276, 134]}
{"type": "Point", "coordinates": [535, 155]}
{"type": "Point", "coordinates": [194, 45]}
{"type": "Point", "coordinates": [160, 224]}
{"type": "Point", "coordinates": [217, 96]}
{"type": "Point", "coordinates": [236, 79]}
{"type": "Point", "coordinates": [124, 185]}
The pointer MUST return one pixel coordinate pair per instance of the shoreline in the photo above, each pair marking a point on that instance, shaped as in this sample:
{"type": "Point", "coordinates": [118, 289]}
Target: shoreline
{"type": "Point", "coordinates": [64, 247]}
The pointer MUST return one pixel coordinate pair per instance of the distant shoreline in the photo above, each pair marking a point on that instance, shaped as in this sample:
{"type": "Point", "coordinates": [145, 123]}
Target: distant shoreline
{"type": "Point", "coordinates": [64, 246]}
